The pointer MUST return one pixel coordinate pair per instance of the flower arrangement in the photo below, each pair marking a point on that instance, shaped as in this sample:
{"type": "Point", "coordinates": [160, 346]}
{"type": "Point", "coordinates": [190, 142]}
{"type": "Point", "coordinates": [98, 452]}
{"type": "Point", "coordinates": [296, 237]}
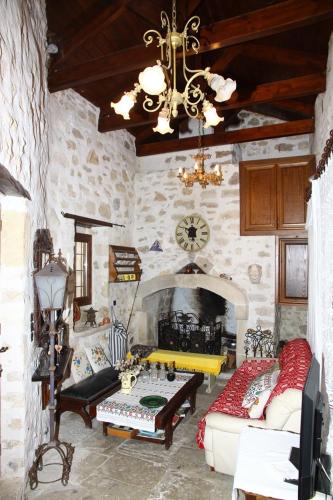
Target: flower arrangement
{"type": "Point", "coordinates": [128, 366]}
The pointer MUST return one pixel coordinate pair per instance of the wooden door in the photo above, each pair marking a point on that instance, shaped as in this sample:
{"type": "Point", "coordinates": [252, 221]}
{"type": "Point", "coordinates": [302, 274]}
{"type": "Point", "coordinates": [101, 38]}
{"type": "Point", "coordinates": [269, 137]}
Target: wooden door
{"type": "Point", "coordinates": [257, 198]}
{"type": "Point", "coordinates": [292, 183]}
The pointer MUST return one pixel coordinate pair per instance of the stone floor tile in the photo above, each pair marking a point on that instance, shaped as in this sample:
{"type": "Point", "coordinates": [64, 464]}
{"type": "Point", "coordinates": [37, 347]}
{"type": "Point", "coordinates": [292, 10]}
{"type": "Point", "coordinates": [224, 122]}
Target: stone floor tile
{"type": "Point", "coordinates": [100, 486]}
{"type": "Point", "coordinates": [190, 461]}
{"type": "Point", "coordinates": [134, 472]}
{"type": "Point", "coordinates": [177, 486]}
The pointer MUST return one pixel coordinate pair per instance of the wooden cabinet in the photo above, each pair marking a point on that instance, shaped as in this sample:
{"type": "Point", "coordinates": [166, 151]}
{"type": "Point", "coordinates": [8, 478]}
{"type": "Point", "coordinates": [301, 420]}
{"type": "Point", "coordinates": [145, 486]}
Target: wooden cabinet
{"type": "Point", "coordinates": [272, 194]}
{"type": "Point", "coordinates": [293, 271]}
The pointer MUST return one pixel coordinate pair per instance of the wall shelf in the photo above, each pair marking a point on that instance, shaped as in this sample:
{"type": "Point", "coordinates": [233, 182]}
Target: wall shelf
{"type": "Point", "coordinates": [88, 222]}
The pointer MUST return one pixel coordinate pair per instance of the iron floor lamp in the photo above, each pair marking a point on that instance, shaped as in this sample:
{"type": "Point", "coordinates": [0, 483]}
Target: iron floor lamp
{"type": "Point", "coordinates": [51, 284]}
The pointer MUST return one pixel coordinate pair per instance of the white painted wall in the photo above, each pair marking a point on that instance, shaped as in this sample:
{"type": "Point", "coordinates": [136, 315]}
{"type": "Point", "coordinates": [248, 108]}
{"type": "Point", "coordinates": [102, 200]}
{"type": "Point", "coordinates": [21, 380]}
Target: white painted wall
{"type": "Point", "coordinates": [24, 152]}
{"type": "Point", "coordinates": [322, 326]}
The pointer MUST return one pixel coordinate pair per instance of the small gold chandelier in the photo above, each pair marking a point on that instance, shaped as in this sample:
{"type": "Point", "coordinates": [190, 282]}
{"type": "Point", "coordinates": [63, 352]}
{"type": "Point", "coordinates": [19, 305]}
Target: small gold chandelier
{"type": "Point", "coordinates": [161, 80]}
{"type": "Point", "coordinates": [199, 174]}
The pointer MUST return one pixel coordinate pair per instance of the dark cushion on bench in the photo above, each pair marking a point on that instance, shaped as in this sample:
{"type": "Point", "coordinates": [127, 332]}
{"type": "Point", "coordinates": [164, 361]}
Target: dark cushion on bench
{"type": "Point", "coordinates": [89, 388]}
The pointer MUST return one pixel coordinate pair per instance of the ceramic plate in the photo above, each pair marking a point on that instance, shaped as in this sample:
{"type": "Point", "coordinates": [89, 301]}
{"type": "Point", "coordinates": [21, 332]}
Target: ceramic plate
{"type": "Point", "coordinates": [153, 401]}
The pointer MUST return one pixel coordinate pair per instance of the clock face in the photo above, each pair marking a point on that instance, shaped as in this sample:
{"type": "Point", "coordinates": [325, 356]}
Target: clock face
{"type": "Point", "coordinates": [192, 233]}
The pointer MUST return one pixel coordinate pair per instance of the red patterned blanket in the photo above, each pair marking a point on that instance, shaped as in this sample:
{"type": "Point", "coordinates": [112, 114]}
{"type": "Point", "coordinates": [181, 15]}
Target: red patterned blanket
{"type": "Point", "coordinates": [294, 363]}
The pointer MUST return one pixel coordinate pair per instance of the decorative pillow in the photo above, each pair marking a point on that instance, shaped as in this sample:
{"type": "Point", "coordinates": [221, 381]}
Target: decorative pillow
{"type": "Point", "coordinates": [265, 381]}
{"type": "Point", "coordinates": [103, 341]}
{"type": "Point", "coordinates": [81, 368]}
{"type": "Point", "coordinates": [258, 406]}
{"type": "Point", "coordinates": [97, 357]}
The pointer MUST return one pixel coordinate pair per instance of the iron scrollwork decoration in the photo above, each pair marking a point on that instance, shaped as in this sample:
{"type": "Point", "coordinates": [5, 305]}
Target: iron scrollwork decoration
{"type": "Point", "coordinates": [260, 342]}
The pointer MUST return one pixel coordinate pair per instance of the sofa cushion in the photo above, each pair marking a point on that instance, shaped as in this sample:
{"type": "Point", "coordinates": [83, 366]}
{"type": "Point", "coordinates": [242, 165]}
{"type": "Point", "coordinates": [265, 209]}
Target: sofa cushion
{"type": "Point", "coordinates": [264, 382]}
{"type": "Point", "coordinates": [90, 387]}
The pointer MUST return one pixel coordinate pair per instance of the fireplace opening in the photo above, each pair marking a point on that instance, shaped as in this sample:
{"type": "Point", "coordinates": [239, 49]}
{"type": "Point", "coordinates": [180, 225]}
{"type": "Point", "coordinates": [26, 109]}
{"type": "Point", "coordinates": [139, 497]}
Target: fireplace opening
{"type": "Point", "coordinates": [191, 320]}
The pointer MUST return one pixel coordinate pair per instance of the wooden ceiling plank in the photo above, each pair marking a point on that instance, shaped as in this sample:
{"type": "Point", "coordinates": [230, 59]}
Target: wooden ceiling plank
{"type": "Point", "coordinates": [95, 25]}
{"type": "Point", "coordinates": [285, 15]}
{"type": "Point", "coordinates": [297, 127]}
{"type": "Point", "coordinates": [268, 92]}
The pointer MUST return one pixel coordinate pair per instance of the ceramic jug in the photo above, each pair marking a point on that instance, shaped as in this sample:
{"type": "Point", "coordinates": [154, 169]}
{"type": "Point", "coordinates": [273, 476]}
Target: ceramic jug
{"type": "Point", "coordinates": [128, 381]}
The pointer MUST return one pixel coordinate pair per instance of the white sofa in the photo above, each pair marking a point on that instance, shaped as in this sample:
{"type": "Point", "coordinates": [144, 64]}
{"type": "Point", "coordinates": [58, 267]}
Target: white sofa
{"type": "Point", "coordinates": [220, 428]}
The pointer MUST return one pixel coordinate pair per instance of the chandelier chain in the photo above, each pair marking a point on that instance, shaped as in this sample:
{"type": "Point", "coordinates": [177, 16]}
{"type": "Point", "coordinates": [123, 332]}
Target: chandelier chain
{"type": "Point", "coordinates": [174, 16]}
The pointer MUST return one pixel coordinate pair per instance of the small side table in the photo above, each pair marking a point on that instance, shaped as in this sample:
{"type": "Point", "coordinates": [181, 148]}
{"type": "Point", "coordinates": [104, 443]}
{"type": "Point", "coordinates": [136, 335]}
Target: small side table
{"type": "Point", "coordinates": [263, 464]}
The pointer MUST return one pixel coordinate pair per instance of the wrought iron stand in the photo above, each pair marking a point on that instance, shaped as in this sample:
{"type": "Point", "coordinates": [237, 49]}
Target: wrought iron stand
{"type": "Point", "coordinates": [65, 450]}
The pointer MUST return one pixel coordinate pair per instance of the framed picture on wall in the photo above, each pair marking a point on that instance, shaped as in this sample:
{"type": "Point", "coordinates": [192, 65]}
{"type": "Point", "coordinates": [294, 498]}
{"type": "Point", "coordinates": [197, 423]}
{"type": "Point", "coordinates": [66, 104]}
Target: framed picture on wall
{"type": "Point", "coordinates": [293, 271]}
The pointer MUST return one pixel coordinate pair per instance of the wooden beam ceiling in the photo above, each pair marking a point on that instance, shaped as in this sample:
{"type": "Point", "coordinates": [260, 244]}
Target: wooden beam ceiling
{"type": "Point", "coordinates": [103, 19]}
{"type": "Point", "coordinates": [286, 89]}
{"type": "Point", "coordinates": [283, 16]}
{"type": "Point", "coordinates": [233, 137]}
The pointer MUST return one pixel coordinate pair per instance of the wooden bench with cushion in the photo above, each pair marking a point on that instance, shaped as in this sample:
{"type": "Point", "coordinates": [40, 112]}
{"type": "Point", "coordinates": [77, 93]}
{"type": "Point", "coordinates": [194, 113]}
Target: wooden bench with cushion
{"type": "Point", "coordinates": [83, 397]}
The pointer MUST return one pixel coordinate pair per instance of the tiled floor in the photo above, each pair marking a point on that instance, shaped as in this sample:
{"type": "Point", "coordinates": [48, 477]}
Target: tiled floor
{"type": "Point", "coordinates": [112, 468]}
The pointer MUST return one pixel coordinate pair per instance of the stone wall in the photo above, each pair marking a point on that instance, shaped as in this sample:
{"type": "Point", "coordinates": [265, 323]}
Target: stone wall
{"type": "Point", "coordinates": [24, 152]}
{"type": "Point", "coordinates": [164, 201]}
{"type": "Point", "coordinates": [92, 175]}
{"type": "Point", "coordinates": [292, 322]}
{"type": "Point", "coordinates": [161, 203]}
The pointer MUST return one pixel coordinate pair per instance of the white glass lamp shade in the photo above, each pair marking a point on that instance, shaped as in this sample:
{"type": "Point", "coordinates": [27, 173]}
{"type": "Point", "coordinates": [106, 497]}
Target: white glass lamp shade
{"type": "Point", "coordinates": [125, 104]}
{"type": "Point", "coordinates": [152, 80]}
{"type": "Point", "coordinates": [51, 286]}
{"type": "Point", "coordinates": [163, 123]}
{"type": "Point", "coordinates": [210, 114]}
{"type": "Point", "coordinates": [223, 88]}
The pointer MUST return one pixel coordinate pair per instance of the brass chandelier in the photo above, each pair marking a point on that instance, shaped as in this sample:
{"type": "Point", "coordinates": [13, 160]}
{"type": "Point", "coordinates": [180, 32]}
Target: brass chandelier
{"type": "Point", "coordinates": [161, 80]}
{"type": "Point", "coordinates": [199, 174]}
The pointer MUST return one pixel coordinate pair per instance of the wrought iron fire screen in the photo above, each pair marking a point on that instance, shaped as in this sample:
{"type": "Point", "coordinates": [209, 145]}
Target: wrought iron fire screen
{"type": "Point", "coordinates": [179, 331]}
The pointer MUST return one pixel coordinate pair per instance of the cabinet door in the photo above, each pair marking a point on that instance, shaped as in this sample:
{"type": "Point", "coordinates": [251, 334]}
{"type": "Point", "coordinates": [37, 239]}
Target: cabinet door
{"type": "Point", "coordinates": [257, 198]}
{"type": "Point", "coordinates": [292, 183]}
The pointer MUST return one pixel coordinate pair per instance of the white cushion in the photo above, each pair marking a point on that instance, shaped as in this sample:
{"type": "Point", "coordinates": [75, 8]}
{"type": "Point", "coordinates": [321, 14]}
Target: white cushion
{"type": "Point", "coordinates": [97, 357]}
{"type": "Point", "coordinates": [265, 381]}
{"type": "Point", "coordinates": [258, 406]}
{"type": "Point", "coordinates": [81, 368]}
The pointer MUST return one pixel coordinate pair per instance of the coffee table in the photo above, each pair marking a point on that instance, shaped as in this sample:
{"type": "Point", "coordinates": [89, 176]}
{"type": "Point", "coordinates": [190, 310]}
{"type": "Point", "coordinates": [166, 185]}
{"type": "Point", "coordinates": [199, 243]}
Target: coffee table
{"type": "Point", "coordinates": [165, 418]}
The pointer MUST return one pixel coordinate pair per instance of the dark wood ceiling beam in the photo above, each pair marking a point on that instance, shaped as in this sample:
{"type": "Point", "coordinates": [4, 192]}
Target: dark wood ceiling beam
{"type": "Point", "coordinates": [303, 108]}
{"type": "Point", "coordinates": [233, 137]}
{"type": "Point", "coordinates": [222, 62]}
{"type": "Point", "coordinates": [269, 92]}
{"type": "Point", "coordinates": [276, 18]}
{"type": "Point", "coordinates": [96, 24]}
{"type": "Point", "coordinates": [283, 16]}
{"type": "Point", "coordinates": [286, 57]}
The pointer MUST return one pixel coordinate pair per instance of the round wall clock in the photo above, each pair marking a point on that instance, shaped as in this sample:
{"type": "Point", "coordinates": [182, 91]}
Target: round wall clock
{"type": "Point", "coordinates": [192, 233]}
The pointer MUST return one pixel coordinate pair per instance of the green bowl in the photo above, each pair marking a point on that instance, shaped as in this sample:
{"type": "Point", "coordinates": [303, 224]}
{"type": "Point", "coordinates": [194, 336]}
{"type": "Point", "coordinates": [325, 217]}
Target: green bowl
{"type": "Point", "coordinates": [153, 401]}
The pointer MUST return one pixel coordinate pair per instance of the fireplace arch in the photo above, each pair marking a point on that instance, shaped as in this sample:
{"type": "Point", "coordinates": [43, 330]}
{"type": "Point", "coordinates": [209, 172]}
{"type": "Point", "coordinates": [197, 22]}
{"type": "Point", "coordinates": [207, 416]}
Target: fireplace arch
{"type": "Point", "coordinates": [222, 287]}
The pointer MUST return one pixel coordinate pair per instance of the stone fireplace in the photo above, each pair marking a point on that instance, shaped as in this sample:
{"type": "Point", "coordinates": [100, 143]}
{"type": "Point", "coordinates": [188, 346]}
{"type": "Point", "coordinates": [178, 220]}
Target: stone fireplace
{"type": "Point", "coordinates": [157, 295]}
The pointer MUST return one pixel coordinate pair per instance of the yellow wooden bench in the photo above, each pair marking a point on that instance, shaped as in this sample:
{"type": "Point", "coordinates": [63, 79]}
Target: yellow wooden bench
{"type": "Point", "coordinates": [210, 364]}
